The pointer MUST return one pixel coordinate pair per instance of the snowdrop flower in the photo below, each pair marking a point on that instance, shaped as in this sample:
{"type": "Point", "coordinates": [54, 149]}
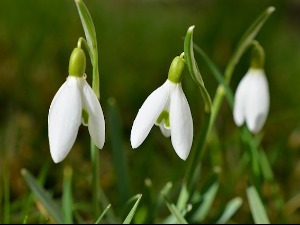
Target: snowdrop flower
{"type": "Point", "coordinates": [252, 95]}
{"type": "Point", "coordinates": [74, 103]}
{"type": "Point", "coordinates": [167, 107]}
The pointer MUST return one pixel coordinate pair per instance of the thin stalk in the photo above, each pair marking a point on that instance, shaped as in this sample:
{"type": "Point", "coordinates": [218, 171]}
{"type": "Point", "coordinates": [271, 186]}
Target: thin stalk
{"type": "Point", "coordinates": [95, 179]}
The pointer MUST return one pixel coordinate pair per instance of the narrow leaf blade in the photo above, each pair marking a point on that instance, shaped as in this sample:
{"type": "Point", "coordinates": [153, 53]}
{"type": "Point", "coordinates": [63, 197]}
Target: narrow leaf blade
{"type": "Point", "coordinates": [52, 208]}
{"type": "Point", "coordinates": [208, 198]}
{"type": "Point", "coordinates": [103, 214]}
{"type": "Point", "coordinates": [256, 206]}
{"type": "Point", "coordinates": [133, 210]}
{"type": "Point", "coordinates": [87, 23]}
{"type": "Point", "coordinates": [231, 208]}
{"type": "Point", "coordinates": [193, 68]}
{"type": "Point", "coordinates": [175, 212]}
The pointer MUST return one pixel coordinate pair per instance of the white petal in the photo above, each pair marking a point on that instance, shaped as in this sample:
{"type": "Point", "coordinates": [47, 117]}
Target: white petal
{"type": "Point", "coordinates": [64, 119]}
{"type": "Point", "coordinates": [165, 131]}
{"type": "Point", "coordinates": [96, 123]}
{"type": "Point", "coordinates": [239, 114]}
{"type": "Point", "coordinates": [148, 114]}
{"type": "Point", "coordinates": [181, 123]}
{"type": "Point", "coordinates": [258, 101]}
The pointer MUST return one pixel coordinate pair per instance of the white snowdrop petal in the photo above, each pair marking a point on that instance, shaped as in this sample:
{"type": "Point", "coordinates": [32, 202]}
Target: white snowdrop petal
{"type": "Point", "coordinates": [240, 100]}
{"type": "Point", "coordinates": [64, 119]}
{"type": "Point", "coordinates": [181, 123]}
{"type": "Point", "coordinates": [148, 114]}
{"type": "Point", "coordinates": [96, 122]}
{"type": "Point", "coordinates": [165, 131]}
{"type": "Point", "coordinates": [258, 101]}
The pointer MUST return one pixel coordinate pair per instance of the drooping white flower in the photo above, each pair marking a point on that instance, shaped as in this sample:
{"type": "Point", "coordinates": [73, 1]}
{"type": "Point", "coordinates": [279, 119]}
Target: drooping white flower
{"type": "Point", "coordinates": [74, 103]}
{"type": "Point", "coordinates": [252, 100]}
{"type": "Point", "coordinates": [168, 108]}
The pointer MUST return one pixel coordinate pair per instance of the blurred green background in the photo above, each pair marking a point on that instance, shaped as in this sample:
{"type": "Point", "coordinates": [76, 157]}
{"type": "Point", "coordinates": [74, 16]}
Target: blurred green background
{"type": "Point", "coordinates": [137, 40]}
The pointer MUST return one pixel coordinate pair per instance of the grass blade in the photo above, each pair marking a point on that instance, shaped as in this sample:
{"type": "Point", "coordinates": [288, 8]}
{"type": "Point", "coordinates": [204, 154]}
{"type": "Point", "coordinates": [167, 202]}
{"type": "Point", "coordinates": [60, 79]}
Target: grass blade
{"type": "Point", "coordinates": [256, 206]}
{"type": "Point", "coordinates": [103, 214]}
{"type": "Point", "coordinates": [175, 212]}
{"type": "Point", "coordinates": [119, 159]}
{"type": "Point", "coordinates": [52, 208]}
{"type": "Point", "coordinates": [217, 74]}
{"type": "Point", "coordinates": [133, 210]}
{"type": "Point", "coordinates": [231, 208]}
{"type": "Point", "coordinates": [208, 198]}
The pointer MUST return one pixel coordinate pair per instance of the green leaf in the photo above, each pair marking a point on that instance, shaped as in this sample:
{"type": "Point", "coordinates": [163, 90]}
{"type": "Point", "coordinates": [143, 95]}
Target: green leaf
{"type": "Point", "coordinates": [265, 166]}
{"type": "Point", "coordinates": [90, 33]}
{"type": "Point", "coordinates": [67, 200]}
{"type": "Point", "coordinates": [217, 74]}
{"type": "Point", "coordinates": [207, 201]}
{"type": "Point", "coordinates": [103, 214]}
{"type": "Point", "coordinates": [176, 213]}
{"type": "Point", "coordinates": [246, 40]}
{"type": "Point", "coordinates": [119, 159]}
{"type": "Point", "coordinates": [256, 206]}
{"type": "Point", "coordinates": [87, 23]}
{"type": "Point", "coordinates": [193, 68]}
{"type": "Point", "coordinates": [231, 208]}
{"type": "Point", "coordinates": [52, 208]}
{"type": "Point", "coordinates": [133, 210]}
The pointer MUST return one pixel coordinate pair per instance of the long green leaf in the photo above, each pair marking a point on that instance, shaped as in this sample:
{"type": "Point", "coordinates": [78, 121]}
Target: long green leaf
{"type": "Point", "coordinates": [90, 33]}
{"type": "Point", "coordinates": [256, 206]}
{"type": "Point", "coordinates": [246, 40]}
{"type": "Point", "coordinates": [119, 159]}
{"type": "Point", "coordinates": [52, 208]}
{"type": "Point", "coordinates": [133, 210]}
{"type": "Point", "coordinates": [87, 23]}
{"type": "Point", "coordinates": [231, 208]}
{"type": "Point", "coordinates": [216, 73]}
{"type": "Point", "coordinates": [103, 214]}
{"type": "Point", "coordinates": [265, 166]}
{"type": "Point", "coordinates": [175, 212]}
{"type": "Point", "coordinates": [207, 201]}
{"type": "Point", "coordinates": [193, 67]}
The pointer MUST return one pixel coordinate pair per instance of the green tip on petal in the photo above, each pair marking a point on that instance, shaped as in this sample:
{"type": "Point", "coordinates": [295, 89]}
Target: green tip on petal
{"type": "Point", "coordinates": [164, 117]}
{"type": "Point", "coordinates": [85, 117]}
{"type": "Point", "coordinates": [176, 69]}
{"type": "Point", "coordinates": [77, 63]}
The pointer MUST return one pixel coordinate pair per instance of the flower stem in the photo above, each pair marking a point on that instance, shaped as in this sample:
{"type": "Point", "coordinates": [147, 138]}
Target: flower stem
{"type": "Point", "coordinates": [95, 179]}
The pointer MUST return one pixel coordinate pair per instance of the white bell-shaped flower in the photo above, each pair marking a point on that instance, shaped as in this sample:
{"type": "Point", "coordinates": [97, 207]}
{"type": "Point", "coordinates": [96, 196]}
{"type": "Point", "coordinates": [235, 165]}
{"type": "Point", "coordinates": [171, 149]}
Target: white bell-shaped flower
{"type": "Point", "coordinates": [75, 102]}
{"type": "Point", "coordinates": [252, 100]}
{"type": "Point", "coordinates": [168, 108]}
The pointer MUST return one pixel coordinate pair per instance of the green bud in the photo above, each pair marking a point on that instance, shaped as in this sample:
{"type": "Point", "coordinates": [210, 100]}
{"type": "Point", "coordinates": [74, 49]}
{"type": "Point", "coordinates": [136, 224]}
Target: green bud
{"type": "Point", "coordinates": [176, 69]}
{"type": "Point", "coordinates": [77, 63]}
{"type": "Point", "coordinates": [258, 56]}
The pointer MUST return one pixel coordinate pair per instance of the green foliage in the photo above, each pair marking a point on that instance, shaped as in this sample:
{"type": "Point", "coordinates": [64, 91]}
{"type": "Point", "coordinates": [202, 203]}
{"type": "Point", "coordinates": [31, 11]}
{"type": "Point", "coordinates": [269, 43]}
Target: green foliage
{"type": "Point", "coordinates": [136, 41]}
